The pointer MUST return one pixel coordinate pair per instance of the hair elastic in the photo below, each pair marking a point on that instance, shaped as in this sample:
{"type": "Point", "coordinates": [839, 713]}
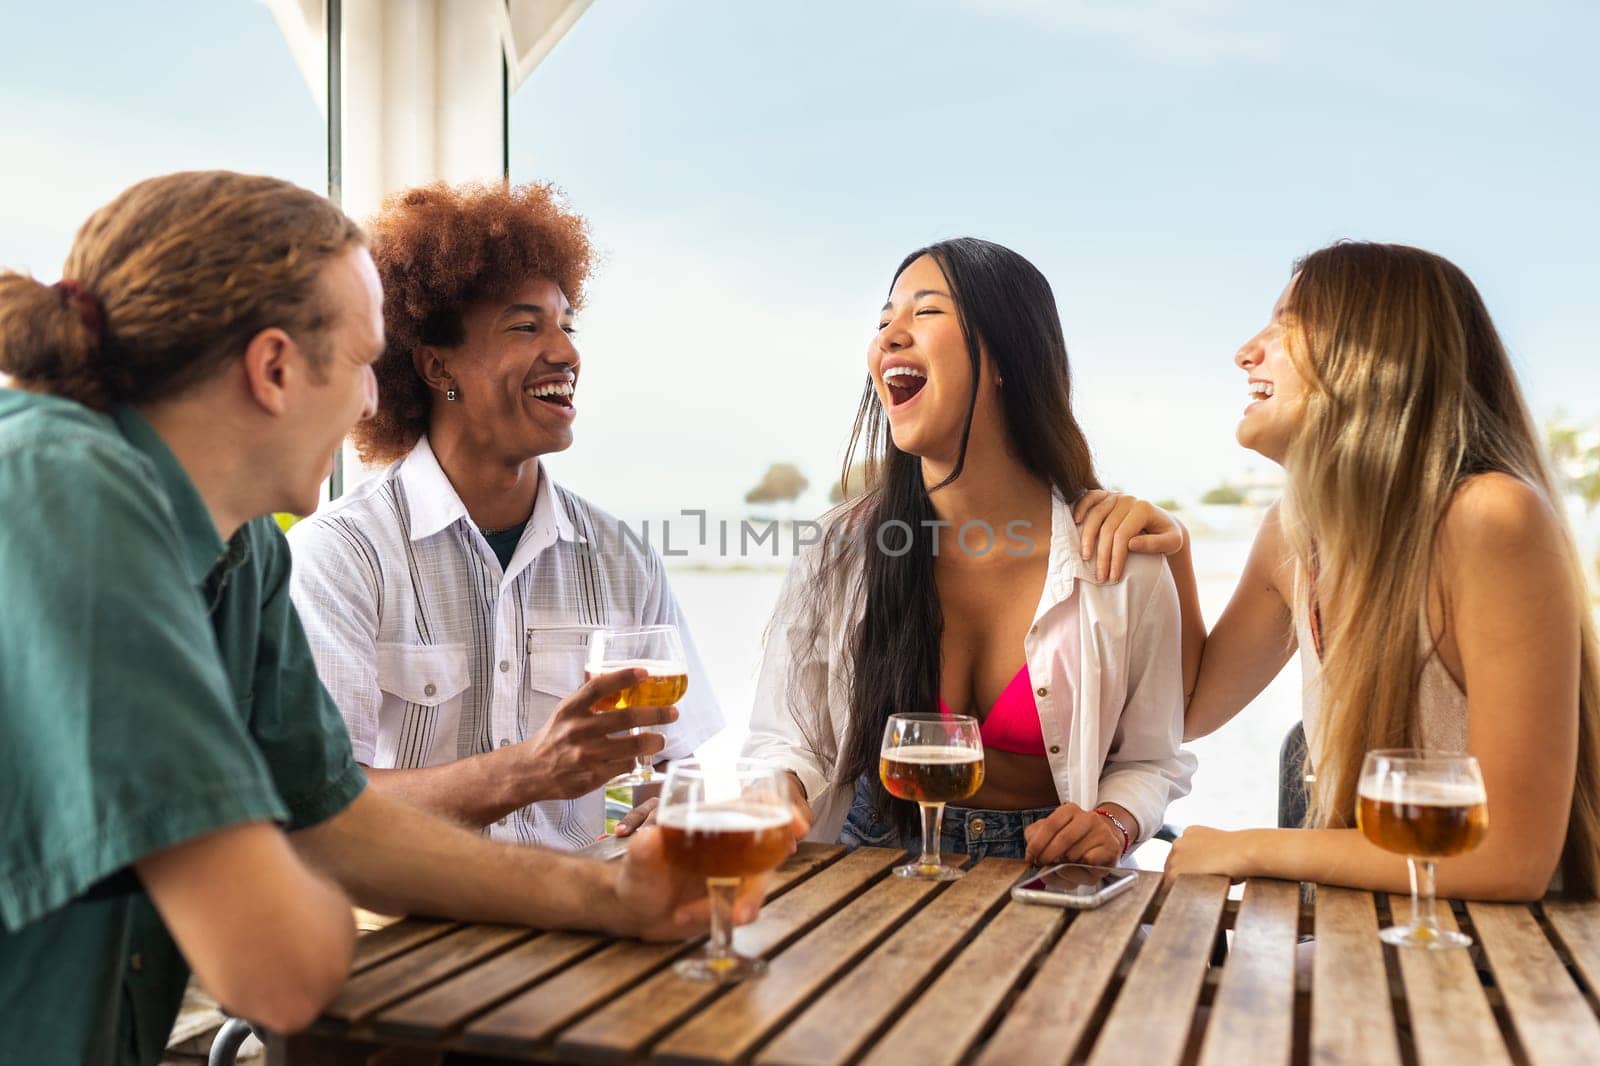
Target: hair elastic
{"type": "Point", "coordinates": [74, 295]}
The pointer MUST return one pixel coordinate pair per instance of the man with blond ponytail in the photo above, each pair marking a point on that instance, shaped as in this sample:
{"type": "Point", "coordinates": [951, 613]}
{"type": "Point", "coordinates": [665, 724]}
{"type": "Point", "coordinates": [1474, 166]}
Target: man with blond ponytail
{"type": "Point", "coordinates": [176, 785]}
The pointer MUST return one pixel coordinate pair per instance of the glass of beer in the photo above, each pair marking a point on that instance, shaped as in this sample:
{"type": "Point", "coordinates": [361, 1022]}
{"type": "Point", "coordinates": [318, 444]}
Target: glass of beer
{"type": "Point", "coordinates": [931, 759]}
{"type": "Point", "coordinates": [658, 650]}
{"type": "Point", "coordinates": [723, 820]}
{"type": "Point", "coordinates": [1426, 806]}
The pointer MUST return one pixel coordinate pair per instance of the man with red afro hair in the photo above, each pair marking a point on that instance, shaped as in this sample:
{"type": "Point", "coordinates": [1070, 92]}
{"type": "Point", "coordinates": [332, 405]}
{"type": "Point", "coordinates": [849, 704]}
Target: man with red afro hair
{"type": "Point", "coordinates": [448, 600]}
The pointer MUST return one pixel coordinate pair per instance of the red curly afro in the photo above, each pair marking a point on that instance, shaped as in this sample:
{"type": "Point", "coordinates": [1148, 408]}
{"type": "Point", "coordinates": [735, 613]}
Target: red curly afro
{"type": "Point", "coordinates": [441, 249]}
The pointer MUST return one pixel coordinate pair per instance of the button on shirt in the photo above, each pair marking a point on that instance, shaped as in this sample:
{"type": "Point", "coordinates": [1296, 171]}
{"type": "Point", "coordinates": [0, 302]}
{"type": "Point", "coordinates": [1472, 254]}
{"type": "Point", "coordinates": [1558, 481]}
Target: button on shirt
{"type": "Point", "coordinates": [435, 653]}
{"type": "Point", "coordinates": [154, 686]}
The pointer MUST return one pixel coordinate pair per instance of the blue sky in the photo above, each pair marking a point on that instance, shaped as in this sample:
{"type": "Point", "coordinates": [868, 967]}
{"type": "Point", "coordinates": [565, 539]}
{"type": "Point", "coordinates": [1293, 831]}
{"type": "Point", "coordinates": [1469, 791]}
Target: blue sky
{"type": "Point", "coordinates": [754, 171]}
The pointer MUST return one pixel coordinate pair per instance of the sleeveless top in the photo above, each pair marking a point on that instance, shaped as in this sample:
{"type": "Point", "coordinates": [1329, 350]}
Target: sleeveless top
{"type": "Point", "coordinates": [1441, 704]}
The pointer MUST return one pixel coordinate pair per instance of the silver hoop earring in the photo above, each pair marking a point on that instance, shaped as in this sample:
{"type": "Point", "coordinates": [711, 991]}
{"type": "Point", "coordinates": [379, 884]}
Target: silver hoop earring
{"type": "Point", "coordinates": [451, 394]}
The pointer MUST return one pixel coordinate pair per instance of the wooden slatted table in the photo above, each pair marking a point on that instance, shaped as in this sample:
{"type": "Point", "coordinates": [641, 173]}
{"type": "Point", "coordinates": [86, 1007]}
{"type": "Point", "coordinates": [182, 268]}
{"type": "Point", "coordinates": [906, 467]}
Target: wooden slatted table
{"type": "Point", "coordinates": [868, 968]}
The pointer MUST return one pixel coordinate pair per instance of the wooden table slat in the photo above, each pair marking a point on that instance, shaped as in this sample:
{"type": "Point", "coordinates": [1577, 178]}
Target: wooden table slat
{"type": "Point", "coordinates": [949, 1018]}
{"type": "Point", "coordinates": [1352, 1022]}
{"type": "Point", "coordinates": [1451, 1021]}
{"type": "Point", "coordinates": [452, 1001]}
{"type": "Point", "coordinates": [395, 979]}
{"type": "Point", "coordinates": [730, 1028]}
{"type": "Point", "coordinates": [842, 1021]}
{"type": "Point", "coordinates": [539, 1013]}
{"type": "Point", "coordinates": [626, 1025]}
{"type": "Point", "coordinates": [1252, 1017]}
{"type": "Point", "coordinates": [1151, 1020]}
{"type": "Point", "coordinates": [869, 969]}
{"type": "Point", "coordinates": [1048, 1021]}
{"type": "Point", "coordinates": [1551, 1017]}
{"type": "Point", "coordinates": [1578, 926]}
{"type": "Point", "coordinates": [397, 939]}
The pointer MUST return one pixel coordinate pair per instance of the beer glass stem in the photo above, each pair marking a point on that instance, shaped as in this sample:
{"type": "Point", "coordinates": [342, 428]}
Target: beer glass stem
{"type": "Point", "coordinates": [721, 892]}
{"type": "Point", "coordinates": [641, 763]}
{"type": "Point", "coordinates": [1424, 919]}
{"type": "Point", "coordinates": [932, 818]}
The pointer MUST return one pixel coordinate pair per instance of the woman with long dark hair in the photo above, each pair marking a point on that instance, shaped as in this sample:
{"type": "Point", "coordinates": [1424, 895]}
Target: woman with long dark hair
{"type": "Point", "coordinates": [955, 582]}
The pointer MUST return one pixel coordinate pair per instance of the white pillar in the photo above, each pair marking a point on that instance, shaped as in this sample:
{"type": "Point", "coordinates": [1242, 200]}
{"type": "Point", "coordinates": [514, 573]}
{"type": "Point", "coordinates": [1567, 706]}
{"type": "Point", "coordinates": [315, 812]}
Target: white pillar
{"type": "Point", "coordinates": [424, 96]}
{"type": "Point", "coordinates": [423, 92]}
{"type": "Point", "coordinates": [425, 83]}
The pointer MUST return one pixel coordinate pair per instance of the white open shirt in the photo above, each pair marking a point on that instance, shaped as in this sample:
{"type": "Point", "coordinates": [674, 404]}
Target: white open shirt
{"type": "Point", "coordinates": [1106, 668]}
{"type": "Point", "coordinates": [434, 654]}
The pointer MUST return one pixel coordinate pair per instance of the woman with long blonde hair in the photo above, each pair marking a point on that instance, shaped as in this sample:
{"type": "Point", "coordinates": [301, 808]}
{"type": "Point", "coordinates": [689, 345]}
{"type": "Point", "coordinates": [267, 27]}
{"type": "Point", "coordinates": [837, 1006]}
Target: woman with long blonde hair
{"type": "Point", "coordinates": [1420, 562]}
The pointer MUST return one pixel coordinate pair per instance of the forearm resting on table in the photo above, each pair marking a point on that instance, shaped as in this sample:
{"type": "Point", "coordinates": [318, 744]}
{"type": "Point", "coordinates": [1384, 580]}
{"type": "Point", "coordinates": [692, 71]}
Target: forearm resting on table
{"type": "Point", "coordinates": [1346, 857]}
{"type": "Point", "coordinates": [474, 791]}
{"type": "Point", "coordinates": [397, 859]}
{"type": "Point", "coordinates": [268, 937]}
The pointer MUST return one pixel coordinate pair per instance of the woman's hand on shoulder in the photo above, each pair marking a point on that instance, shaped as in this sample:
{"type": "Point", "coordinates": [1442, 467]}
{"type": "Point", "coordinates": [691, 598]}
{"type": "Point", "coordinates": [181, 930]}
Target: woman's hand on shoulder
{"type": "Point", "coordinates": [1111, 524]}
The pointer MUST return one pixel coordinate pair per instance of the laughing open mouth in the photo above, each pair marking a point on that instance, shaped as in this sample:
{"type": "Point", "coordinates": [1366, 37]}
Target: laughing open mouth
{"type": "Point", "coordinates": [555, 393]}
{"type": "Point", "coordinates": [903, 382]}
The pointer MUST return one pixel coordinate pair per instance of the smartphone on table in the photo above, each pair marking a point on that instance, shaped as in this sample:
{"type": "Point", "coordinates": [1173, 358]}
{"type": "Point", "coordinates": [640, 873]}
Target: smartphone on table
{"type": "Point", "coordinates": [1073, 885]}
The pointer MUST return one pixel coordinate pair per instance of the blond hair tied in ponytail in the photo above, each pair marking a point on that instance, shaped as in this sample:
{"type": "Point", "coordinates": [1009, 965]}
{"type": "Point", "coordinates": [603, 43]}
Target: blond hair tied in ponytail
{"type": "Point", "coordinates": [50, 337]}
{"type": "Point", "coordinates": [167, 284]}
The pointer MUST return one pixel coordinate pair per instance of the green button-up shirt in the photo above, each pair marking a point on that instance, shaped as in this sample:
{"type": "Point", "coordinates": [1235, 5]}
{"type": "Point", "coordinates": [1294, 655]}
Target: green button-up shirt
{"type": "Point", "coordinates": [155, 685]}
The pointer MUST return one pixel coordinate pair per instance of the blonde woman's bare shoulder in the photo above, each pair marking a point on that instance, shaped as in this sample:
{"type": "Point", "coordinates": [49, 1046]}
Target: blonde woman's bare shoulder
{"type": "Point", "coordinates": [1496, 517]}
{"type": "Point", "coordinates": [1270, 553]}
{"type": "Point", "coordinates": [1271, 528]}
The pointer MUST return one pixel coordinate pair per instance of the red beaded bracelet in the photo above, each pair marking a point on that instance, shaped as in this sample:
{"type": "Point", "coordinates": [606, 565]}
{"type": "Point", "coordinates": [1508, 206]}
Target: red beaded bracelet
{"type": "Point", "coordinates": [1127, 841]}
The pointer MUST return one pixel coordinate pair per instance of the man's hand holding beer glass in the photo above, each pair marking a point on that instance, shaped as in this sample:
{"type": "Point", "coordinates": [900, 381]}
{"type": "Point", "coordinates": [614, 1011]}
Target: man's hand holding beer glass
{"type": "Point", "coordinates": [657, 899]}
{"type": "Point", "coordinates": [730, 824]}
{"type": "Point", "coordinates": [661, 677]}
{"type": "Point", "coordinates": [578, 749]}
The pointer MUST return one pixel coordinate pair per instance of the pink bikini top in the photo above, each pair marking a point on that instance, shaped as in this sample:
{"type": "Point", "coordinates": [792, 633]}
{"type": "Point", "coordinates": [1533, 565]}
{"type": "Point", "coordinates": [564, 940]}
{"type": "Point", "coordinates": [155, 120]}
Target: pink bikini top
{"type": "Point", "coordinates": [1013, 722]}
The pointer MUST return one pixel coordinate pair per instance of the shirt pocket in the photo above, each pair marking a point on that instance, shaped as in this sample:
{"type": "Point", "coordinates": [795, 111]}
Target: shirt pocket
{"type": "Point", "coordinates": [557, 655]}
{"type": "Point", "coordinates": [427, 675]}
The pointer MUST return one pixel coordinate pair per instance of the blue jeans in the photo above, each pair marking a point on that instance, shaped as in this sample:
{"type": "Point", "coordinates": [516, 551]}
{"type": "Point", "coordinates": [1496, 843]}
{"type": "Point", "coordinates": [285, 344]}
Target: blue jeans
{"type": "Point", "coordinates": [966, 830]}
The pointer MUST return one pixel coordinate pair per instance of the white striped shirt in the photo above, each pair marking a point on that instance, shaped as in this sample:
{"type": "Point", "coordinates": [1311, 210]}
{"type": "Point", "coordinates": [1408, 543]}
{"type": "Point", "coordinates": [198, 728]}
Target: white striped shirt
{"type": "Point", "coordinates": [434, 654]}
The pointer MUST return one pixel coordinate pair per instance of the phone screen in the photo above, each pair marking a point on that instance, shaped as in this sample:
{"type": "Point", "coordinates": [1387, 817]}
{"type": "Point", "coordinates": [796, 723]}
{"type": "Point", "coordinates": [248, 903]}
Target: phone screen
{"type": "Point", "coordinates": [1082, 881]}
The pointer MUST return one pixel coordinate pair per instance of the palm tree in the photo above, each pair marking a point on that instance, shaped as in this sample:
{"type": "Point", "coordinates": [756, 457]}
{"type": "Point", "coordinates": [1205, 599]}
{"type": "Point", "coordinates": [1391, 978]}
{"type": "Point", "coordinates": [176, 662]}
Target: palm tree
{"type": "Point", "coordinates": [855, 483]}
{"type": "Point", "coordinates": [782, 483]}
{"type": "Point", "coordinates": [1575, 459]}
{"type": "Point", "coordinates": [1575, 455]}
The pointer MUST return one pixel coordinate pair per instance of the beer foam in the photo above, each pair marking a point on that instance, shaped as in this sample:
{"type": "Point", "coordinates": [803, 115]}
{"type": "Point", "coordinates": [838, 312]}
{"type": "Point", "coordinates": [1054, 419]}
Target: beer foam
{"type": "Point", "coordinates": [1423, 793]}
{"type": "Point", "coordinates": [724, 819]}
{"type": "Point", "coordinates": [925, 754]}
{"type": "Point", "coordinates": [653, 667]}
